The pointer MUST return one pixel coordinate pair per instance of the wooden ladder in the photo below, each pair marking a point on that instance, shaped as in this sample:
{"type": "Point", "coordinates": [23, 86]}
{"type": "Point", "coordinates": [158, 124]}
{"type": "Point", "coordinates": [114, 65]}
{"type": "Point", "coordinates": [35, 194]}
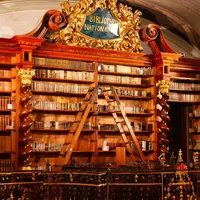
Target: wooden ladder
{"type": "Point", "coordinates": [81, 117]}
{"type": "Point", "coordinates": [122, 123]}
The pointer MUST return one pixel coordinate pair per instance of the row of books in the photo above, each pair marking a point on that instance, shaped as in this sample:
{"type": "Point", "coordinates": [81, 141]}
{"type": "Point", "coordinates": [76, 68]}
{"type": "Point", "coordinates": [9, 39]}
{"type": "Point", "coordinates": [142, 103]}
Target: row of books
{"type": "Point", "coordinates": [58, 125]}
{"type": "Point", "coordinates": [5, 103]}
{"type": "Point", "coordinates": [81, 65]}
{"type": "Point", "coordinates": [71, 64]}
{"type": "Point", "coordinates": [6, 165]}
{"type": "Point", "coordinates": [58, 87]}
{"type": "Point", "coordinates": [62, 125]}
{"type": "Point", "coordinates": [129, 92]}
{"type": "Point", "coordinates": [136, 126]}
{"type": "Point", "coordinates": [51, 105]}
{"type": "Point", "coordinates": [131, 109]}
{"type": "Point", "coordinates": [5, 86]}
{"type": "Point", "coordinates": [123, 79]}
{"type": "Point", "coordinates": [126, 69]}
{"type": "Point", "coordinates": [5, 73]}
{"type": "Point", "coordinates": [39, 146]}
{"type": "Point", "coordinates": [185, 86]}
{"type": "Point", "coordinates": [67, 106]}
{"type": "Point", "coordinates": [64, 74]}
{"type": "Point", "coordinates": [144, 145]}
{"type": "Point", "coordinates": [184, 97]}
{"type": "Point", "coordinates": [75, 88]}
{"type": "Point", "coordinates": [5, 122]}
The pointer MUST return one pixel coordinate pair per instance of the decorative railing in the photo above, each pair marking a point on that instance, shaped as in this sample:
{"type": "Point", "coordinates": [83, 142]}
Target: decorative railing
{"type": "Point", "coordinates": [99, 184]}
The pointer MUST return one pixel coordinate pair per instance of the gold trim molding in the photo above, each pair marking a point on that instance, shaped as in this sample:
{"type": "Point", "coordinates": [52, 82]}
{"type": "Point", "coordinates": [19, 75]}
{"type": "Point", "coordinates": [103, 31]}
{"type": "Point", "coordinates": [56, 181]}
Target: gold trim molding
{"type": "Point", "coordinates": [129, 26]}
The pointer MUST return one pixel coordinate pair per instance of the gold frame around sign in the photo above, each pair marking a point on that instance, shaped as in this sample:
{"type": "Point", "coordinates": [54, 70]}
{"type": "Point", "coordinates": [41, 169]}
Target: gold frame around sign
{"type": "Point", "coordinates": [129, 26]}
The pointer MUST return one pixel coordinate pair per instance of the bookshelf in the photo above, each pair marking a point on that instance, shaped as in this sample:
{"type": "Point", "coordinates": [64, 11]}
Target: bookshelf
{"type": "Point", "coordinates": [184, 92]}
{"type": "Point", "coordinates": [134, 86]}
{"type": "Point", "coordinates": [7, 113]}
{"type": "Point", "coordinates": [57, 94]}
{"type": "Point", "coordinates": [59, 87]}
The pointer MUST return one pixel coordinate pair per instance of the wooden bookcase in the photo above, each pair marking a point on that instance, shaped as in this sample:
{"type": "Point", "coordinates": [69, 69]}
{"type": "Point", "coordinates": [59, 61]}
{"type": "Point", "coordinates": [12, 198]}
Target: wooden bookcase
{"type": "Point", "coordinates": [57, 94]}
{"type": "Point", "coordinates": [184, 93]}
{"type": "Point", "coordinates": [59, 86]}
{"type": "Point", "coordinates": [8, 155]}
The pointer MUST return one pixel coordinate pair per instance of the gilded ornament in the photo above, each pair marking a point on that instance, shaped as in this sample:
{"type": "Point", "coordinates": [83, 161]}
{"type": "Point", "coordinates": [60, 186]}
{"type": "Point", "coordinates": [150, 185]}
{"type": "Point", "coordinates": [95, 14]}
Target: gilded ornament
{"type": "Point", "coordinates": [164, 86]}
{"type": "Point", "coordinates": [26, 76]}
{"type": "Point", "coordinates": [129, 26]}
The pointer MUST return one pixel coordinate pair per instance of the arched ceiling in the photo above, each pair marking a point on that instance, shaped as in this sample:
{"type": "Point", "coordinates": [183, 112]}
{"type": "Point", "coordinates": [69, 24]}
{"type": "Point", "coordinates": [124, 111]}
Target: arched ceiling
{"type": "Point", "coordinates": [177, 18]}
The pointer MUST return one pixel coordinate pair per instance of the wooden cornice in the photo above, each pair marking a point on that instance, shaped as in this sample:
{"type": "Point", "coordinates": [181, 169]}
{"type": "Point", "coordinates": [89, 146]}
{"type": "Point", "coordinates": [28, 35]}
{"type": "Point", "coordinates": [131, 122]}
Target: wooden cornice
{"type": "Point", "coordinates": [17, 44]}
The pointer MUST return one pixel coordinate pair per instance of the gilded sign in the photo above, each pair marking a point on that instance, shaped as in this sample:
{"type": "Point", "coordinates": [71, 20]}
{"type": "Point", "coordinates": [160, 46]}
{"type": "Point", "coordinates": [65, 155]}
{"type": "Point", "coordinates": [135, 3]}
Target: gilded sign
{"type": "Point", "coordinates": [101, 25]}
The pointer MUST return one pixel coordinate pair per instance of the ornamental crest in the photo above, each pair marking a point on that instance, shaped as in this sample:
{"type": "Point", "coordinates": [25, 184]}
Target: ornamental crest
{"type": "Point", "coordinates": [100, 24]}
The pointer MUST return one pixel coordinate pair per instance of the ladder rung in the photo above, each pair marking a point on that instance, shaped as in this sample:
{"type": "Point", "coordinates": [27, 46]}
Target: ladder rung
{"type": "Point", "coordinates": [126, 143]}
{"type": "Point", "coordinates": [71, 132]}
{"type": "Point", "coordinates": [115, 111]}
{"type": "Point", "coordinates": [107, 90]}
{"type": "Point", "coordinates": [90, 88]}
{"type": "Point", "coordinates": [85, 100]}
{"type": "Point", "coordinates": [120, 122]}
{"type": "Point", "coordinates": [76, 121]}
{"type": "Point", "coordinates": [111, 100]}
{"type": "Point", "coordinates": [62, 154]}
{"type": "Point", "coordinates": [81, 111]}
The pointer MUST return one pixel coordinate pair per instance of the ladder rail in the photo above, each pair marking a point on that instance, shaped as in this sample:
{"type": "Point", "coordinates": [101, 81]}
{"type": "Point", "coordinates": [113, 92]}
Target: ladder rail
{"type": "Point", "coordinates": [133, 135]}
{"type": "Point", "coordinates": [76, 128]}
{"type": "Point", "coordinates": [128, 125]}
{"type": "Point", "coordinates": [126, 122]}
{"type": "Point", "coordinates": [77, 134]}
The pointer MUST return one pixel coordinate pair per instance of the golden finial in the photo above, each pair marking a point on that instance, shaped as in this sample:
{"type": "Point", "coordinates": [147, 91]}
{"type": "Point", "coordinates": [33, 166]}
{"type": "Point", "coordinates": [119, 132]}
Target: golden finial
{"type": "Point", "coordinates": [163, 85]}
{"type": "Point", "coordinates": [180, 158]}
{"type": "Point", "coordinates": [26, 76]}
{"type": "Point", "coordinates": [11, 196]}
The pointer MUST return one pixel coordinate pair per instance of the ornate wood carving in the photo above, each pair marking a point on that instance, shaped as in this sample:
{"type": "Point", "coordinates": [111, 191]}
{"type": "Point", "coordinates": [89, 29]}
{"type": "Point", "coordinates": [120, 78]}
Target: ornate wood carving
{"type": "Point", "coordinates": [153, 34]}
{"type": "Point", "coordinates": [69, 21]}
{"type": "Point", "coordinates": [162, 116]}
{"type": "Point", "coordinates": [75, 17]}
{"type": "Point", "coordinates": [25, 137]}
{"type": "Point", "coordinates": [52, 20]}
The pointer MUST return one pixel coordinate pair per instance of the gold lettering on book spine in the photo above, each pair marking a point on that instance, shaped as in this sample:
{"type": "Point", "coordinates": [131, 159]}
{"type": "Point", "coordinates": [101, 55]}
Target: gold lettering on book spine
{"type": "Point", "coordinates": [129, 26]}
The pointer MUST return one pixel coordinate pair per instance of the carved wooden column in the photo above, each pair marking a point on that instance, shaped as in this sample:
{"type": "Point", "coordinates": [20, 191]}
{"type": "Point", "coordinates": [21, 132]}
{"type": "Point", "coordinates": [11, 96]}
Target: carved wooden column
{"type": "Point", "coordinates": [162, 116]}
{"type": "Point", "coordinates": [25, 135]}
